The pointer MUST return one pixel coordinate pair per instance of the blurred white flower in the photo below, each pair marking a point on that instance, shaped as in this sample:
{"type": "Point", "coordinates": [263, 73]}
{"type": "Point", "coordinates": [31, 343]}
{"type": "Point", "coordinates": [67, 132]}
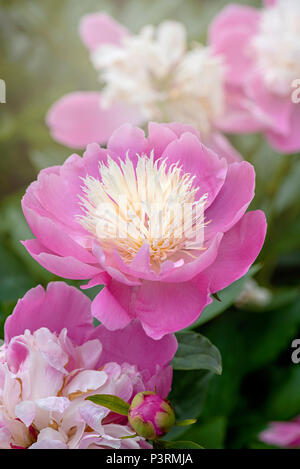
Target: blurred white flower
{"type": "Point", "coordinates": [277, 45]}
{"type": "Point", "coordinates": [156, 71]}
{"type": "Point", "coordinates": [253, 294]}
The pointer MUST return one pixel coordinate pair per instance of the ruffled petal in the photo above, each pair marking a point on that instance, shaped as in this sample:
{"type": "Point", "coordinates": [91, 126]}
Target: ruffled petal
{"type": "Point", "coordinates": [59, 307]}
{"type": "Point", "coordinates": [79, 118]}
{"type": "Point", "coordinates": [96, 29]}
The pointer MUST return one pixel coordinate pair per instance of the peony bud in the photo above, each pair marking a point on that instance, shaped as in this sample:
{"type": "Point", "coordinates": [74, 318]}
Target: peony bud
{"type": "Point", "coordinates": [150, 415]}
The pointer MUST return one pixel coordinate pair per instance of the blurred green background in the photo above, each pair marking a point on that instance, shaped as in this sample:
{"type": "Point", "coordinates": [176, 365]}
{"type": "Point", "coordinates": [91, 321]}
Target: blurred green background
{"type": "Point", "coordinates": [42, 58]}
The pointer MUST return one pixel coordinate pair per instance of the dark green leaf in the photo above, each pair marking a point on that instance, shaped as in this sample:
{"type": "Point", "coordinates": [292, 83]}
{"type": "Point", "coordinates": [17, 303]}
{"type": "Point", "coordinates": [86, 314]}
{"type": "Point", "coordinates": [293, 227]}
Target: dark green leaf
{"type": "Point", "coordinates": [196, 352]}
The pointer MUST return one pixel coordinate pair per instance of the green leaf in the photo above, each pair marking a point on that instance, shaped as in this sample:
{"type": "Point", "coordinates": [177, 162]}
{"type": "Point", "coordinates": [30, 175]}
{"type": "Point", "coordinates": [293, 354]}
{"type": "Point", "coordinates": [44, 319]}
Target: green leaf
{"type": "Point", "coordinates": [185, 423]}
{"type": "Point", "coordinates": [114, 403]}
{"type": "Point", "coordinates": [162, 444]}
{"type": "Point", "coordinates": [196, 352]}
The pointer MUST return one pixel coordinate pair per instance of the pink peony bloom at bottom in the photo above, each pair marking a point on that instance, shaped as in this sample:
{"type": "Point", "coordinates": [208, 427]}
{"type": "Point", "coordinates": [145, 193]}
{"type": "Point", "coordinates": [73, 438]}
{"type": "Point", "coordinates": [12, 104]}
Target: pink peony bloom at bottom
{"type": "Point", "coordinates": [284, 434]}
{"type": "Point", "coordinates": [53, 358]}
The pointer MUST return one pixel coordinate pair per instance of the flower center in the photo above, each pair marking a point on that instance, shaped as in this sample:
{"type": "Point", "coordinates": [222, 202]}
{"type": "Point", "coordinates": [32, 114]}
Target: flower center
{"type": "Point", "coordinates": [154, 71]}
{"type": "Point", "coordinates": [277, 45]}
{"type": "Point", "coordinates": [151, 204]}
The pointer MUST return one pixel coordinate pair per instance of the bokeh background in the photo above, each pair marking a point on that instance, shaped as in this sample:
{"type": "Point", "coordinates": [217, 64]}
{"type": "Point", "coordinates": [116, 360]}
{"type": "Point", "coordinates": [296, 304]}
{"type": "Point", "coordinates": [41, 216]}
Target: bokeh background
{"type": "Point", "coordinates": [42, 58]}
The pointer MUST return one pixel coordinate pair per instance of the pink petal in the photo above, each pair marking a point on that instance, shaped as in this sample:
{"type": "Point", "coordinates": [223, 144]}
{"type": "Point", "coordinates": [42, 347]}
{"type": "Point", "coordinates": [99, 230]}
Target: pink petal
{"type": "Point", "coordinates": [119, 271]}
{"type": "Point", "coordinates": [242, 114]}
{"type": "Point", "coordinates": [100, 28]}
{"type": "Point", "coordinates": [78, 119]}
{"type": "Point", "coordinates": [131, 345]}
{"type": "Point", "coordinates": [44, 197]}
{"type": "Point", "coordinates": [67, 267]}
{"type": "Point", "coordinates": [270, 2]}
{"type": "Point", "coordinates": [230, 35]}
{"type": "Point", "coordinates": [128, 140]}
{"type": "Point", "coordinates": [112, 305]}
{"type": "Point", "coordinates": [198, 160]}
{"type": "Point", "coordinates": [289, 143]}
{"type": "Point", "coordinates": [222, 147]}
{"type": "Point", "coordinates": [58, 307]}
{"type": "Point", "coordinates": [54, 238]}
{"type": "Point", "coordinates": [286, 434]}
{"type": "Point", "coordinates": [164, 308]}
{"type": "Point", "coordinates": [232, 200]}
{"type": "Point", "coordinates": [178, 129]}
{"type": "Point", "coordinates": [238, 250]}
{"type": "Point", "coordinates": [277, 109]}
{"type": "Point", "coordinates": [161, 381]}
{"type": "Point", "coordinates": [191, 269]}
{"type": "Point", "coordinates": [160, 135]}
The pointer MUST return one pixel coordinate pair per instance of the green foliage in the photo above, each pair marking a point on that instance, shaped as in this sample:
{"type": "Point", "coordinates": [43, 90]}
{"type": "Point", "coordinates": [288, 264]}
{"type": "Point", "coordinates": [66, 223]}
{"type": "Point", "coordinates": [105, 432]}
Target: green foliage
{"type": "Point", "coordinates": [113, 403]}
{"type": "Point", "coordinates": [196, 352]}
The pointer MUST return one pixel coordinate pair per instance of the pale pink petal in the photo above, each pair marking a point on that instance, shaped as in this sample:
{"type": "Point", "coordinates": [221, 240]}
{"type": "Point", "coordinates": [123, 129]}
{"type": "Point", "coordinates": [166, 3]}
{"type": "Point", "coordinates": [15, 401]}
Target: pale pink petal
{"type": "Point", "coordinates": [86, 381]}
{"type": "Point", "coordinates": [100, 28]}
{"type": "Point", "coordinates": [49, 438]}
{"type": "Point", "coordinates": [25, 411]}
{"type": "Point", "coordinates": [79, 118]}
{"type": "Point", "coordinates": [48, 444]}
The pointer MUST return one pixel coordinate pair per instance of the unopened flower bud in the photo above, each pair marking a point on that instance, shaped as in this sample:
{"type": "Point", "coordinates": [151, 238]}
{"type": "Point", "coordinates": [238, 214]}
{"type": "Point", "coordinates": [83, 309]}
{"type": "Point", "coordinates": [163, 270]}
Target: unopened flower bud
{"type": "Point", "coordinates": [150, 415]}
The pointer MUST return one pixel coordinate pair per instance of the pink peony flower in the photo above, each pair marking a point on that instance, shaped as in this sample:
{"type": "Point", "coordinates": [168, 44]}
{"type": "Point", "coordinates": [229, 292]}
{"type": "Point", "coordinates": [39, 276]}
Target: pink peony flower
{"type": "Point", "coordinates": [152, 269]}
{"type": "Point", "coordinates": [150, 415]}
{"type": "Point", "coordinates": [262, 52]}
{"type": "Point", "coordinates": [151, 76]}
{"type": "Point", "coordinates": [53, 358]}
{"type": "Point", "coordinates": [284, 434]}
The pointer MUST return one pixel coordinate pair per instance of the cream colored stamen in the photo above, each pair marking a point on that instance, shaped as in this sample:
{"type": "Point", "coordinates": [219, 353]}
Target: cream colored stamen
{"type": "Point", "coordinates": [151, 204]}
